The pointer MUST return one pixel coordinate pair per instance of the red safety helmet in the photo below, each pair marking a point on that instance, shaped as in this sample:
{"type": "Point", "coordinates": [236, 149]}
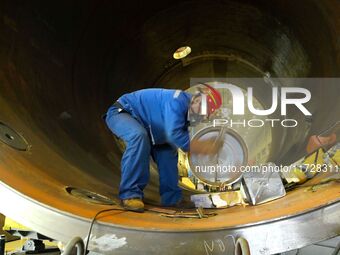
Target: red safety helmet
{"type": "Point", "coordinates": [211, 100]}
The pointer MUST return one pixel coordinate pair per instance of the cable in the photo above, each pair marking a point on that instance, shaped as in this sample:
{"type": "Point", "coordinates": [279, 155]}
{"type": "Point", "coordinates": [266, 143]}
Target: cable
{"type": "Point", "coordinates": [92, 223]}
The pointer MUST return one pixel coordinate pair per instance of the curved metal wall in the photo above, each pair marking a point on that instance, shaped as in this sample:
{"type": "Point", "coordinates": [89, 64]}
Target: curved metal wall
{"type": "Point", "coordinates": [63, 63]}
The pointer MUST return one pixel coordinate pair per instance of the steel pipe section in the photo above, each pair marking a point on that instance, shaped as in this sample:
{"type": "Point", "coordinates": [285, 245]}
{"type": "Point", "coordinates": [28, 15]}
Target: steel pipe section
{"type": "Point", "coordinates": [62, 63]}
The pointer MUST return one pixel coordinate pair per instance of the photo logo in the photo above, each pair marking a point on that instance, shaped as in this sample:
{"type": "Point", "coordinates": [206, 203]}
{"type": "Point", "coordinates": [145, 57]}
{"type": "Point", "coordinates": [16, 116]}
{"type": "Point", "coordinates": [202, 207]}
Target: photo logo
{"type": "Point", "coordinates": [239, 100]}
{"type": "Point", "coordinates": [242, 101]}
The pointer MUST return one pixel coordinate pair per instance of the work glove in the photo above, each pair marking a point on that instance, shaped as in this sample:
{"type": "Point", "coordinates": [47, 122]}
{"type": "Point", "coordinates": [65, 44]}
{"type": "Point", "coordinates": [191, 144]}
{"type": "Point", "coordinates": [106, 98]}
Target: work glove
{"type": "Point", "coordinates": [207, 147]}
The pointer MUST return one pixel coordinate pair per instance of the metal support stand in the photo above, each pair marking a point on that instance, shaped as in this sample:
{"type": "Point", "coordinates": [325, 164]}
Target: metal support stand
{"type": "Point", "coordinates": [2, 244]}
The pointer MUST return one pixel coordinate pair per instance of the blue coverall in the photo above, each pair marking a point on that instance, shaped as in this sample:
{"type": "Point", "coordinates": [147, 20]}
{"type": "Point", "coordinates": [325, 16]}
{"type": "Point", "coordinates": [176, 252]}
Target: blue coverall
{"type": "Point", "coordinates": [154, 122]}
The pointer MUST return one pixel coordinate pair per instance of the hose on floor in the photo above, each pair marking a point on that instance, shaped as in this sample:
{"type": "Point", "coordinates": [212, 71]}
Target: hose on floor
{"type": "Point", "coordinates": [76, 242]}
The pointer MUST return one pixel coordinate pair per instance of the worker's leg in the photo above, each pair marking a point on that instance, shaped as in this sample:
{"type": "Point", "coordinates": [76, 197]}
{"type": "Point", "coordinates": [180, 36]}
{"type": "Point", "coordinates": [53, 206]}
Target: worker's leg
{"type": "Point", "coordinates": [136, 158]}
{"type": "Point", "coordinates": [166, 158]}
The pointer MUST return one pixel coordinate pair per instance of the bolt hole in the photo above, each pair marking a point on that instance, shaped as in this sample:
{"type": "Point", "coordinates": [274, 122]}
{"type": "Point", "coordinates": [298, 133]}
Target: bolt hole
{"type": "Point", "coordinates": [89, 196]}
{"type": "Point", "coordinates": [10, 137]}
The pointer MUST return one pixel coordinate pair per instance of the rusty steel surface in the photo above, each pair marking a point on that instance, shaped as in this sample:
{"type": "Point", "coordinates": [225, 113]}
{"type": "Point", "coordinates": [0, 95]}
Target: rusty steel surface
{"type": "Point", "coordinates": [59, 74]}
{"type": "Point", "coordinates": [42, 173]}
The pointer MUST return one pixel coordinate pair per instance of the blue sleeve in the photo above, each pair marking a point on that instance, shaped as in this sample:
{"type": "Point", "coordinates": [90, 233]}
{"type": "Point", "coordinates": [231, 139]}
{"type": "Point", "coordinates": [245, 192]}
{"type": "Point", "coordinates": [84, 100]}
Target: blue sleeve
{"type": "Point", "coordinates": [175, 115]}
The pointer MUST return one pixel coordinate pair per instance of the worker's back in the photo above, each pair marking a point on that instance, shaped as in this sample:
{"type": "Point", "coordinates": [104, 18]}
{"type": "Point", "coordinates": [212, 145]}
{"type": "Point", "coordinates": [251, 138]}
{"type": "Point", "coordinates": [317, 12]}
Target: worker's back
{"type": "Point", "coordinates": [163, 112]}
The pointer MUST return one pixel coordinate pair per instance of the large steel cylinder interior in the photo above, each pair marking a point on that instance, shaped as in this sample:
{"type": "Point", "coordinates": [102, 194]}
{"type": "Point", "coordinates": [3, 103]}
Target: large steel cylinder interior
{"type": "Point", "coordinates": [63, 63]}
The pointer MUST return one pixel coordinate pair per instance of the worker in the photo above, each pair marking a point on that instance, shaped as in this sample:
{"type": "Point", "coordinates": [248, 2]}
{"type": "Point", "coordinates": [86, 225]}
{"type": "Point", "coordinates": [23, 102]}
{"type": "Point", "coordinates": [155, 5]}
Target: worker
{"type": "Point", "coordinates": [155, 122]}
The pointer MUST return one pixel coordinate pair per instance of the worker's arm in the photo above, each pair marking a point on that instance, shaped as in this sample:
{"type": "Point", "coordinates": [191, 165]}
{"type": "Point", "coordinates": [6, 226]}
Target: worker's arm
{"type": "Point", "coordinates": [175, 116]}
{"type": "Point", "coordinates": [177, 131]}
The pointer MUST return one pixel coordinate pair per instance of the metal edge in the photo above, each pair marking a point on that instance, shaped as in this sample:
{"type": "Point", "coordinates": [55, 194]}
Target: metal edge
{"type": "Point", "coordinates": [262, 237]}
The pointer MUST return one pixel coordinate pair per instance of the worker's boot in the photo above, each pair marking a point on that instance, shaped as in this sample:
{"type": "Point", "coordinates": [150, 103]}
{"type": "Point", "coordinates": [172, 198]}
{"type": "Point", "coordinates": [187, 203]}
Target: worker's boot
{"type": "Point", "coordinates": [133, 204]}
